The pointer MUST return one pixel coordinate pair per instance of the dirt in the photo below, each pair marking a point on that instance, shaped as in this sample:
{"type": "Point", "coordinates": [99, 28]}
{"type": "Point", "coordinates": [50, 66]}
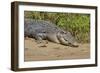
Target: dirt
{"type": "Point", "coordinates": [36, 51]}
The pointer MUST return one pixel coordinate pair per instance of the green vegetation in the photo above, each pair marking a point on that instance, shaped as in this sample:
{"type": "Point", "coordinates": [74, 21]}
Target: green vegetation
{"type": "Point", "coordinates": [77, 24]}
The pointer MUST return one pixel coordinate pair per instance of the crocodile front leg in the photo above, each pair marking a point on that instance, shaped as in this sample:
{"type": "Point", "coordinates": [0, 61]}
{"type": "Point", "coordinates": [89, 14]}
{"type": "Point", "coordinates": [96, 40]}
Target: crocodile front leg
{"type": "Point", "coordinates": [62, 40]}
{"type": "Point", "coordinates": [65, 42]}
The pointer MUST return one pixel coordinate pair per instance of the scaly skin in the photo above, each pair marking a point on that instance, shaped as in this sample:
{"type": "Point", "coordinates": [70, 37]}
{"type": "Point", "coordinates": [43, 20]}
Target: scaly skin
{"type": "Point", "coordinates": [41, 30]}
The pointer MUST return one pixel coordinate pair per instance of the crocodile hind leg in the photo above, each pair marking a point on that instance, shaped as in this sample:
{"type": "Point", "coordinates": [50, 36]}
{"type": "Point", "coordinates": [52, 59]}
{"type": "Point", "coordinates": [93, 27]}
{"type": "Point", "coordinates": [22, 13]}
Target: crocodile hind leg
{"type": "Point", "coordinates": [38, 38]}
{"type": "Point", "coordinates": [41, 38]}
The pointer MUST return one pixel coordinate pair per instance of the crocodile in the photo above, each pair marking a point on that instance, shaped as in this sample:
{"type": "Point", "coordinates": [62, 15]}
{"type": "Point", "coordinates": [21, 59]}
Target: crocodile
{"type": "Point", "coordinates": [46, 30]}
